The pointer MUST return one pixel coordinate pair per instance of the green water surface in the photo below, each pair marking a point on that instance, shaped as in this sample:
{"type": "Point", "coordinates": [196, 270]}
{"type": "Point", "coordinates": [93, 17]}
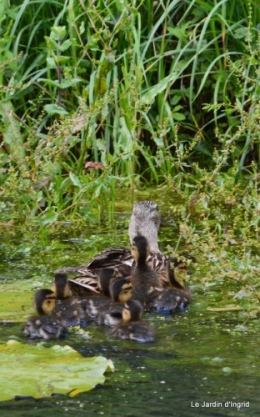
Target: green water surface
{"type": "Point", "coordinates": [202, 363]}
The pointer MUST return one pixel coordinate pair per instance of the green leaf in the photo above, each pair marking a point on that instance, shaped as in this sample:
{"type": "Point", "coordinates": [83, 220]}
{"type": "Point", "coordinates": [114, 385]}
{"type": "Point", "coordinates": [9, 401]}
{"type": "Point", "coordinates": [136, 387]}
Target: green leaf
{"type": "Point", "coordinates": [50, 217]}
{"type": "Point", "coordinates": [58, 32]}
{"type": "Point", "coordinates": [75, 180]}
{"type": "Point", "coordinates": [55, 109]}
{"type": "Point", "coordinates": [51, 63]}
{"type": "Point", "coordinates": [16, 299]}
{"type": "Point", "coordinates": [152, 92]}
{"type": "Point", "coordinates": [39, 371]}
{"type": "Point", "coordinates": [55, 83]}
{"type": "Point", "coordinates": [10, 129]}
{"type": "Point", "coordinates": [82, 28]}
{"type": "Point", "coordinates": [178, 32]}
{"type": "Point", "coordinates": [65, 45]}
{"type": "Point", "coordinates": [62, 59]}
{"type": "Point", "coordinates": [178, 116]}
{"type": "Point", "coordinates": [51, 43]}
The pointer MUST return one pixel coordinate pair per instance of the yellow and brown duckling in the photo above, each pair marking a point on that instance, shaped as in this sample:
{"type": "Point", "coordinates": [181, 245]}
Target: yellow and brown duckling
{"type": "Point", "coordinates": [132, 326]}
{"type": "Point", "coordinates": [172, 299]}
{"type": "Point", "coordinates": [44, 301]}
{"type": "Point", "coordinates": [146, 284]}
{"type": "Point", "coordinates": [58, 303]}
{"type": "Point", "coordinates": [61, 287]}
{"type": "Point", "coordinates": [105, 280]}
{"type": "Point", "coordinates": [44, 327]}
{"type": "Point", "coordinates": [56, 309]}
{"type": "Point", "coordinates": [145, 220]}
{"type": "Point", "coordinates": [108, 311]}
{"type": "Point", "coordinates": [71, 311]}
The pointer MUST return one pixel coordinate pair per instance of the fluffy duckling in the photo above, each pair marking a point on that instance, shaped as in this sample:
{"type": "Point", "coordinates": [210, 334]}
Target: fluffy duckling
{"type": "Point", "coordinates": [105, 279]}
{"type": "Point", "coordinates": [145, 281]}
{"type": "Point", "coordinates": [61, 287]}
{"type": "Point", "coordinates": [172, 299]}
{"type": "Point", "coordinates": [108, 312]}
{"type": "Point", "coordinates": [69, 311]}
{"type": "Point", "coordinates": [44, 301]}
{"type": "Point", "coordinates": [44, 327]}
{"type": "Point", "coordinates": [132, 326]}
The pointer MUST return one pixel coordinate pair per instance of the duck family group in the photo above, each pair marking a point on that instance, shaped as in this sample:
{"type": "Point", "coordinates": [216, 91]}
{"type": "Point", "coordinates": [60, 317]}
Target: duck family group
{"type": "Point", "coordinates": [114, 288]}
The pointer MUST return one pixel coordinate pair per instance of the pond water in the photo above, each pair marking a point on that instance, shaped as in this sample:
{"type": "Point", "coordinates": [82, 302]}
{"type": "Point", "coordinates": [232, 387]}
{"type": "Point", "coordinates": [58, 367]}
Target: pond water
{"type": "Point", "coordinates": [202, 363]}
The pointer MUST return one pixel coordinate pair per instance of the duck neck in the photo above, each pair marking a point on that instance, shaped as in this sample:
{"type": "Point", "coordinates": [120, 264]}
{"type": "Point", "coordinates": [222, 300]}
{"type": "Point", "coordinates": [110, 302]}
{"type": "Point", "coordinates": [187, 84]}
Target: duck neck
{"type": "Point", "coordinates": [141, 261]}
{"type": "Point", "coordinates": [146, 229]}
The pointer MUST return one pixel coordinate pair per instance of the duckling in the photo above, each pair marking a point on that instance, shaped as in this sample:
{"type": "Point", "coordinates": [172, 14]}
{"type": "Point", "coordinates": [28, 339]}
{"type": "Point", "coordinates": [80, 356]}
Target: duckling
{"type": "Point", "coordinates": [145, 220]}
{"type": "Point", "coordinates": [68, 311]}
{"type": "Point", "coordinates": [61, 287]}
{"type": "Point", "coordinates": [44, 327]}
{"type": "Point", "coordinates": [172, 299]}
{"type": "Point", "coordinates": [105, 311]}
{"type": "Point", "coordinates": [145, 281]}
{"type": "Point", "coordinates": [44, 301]}
{"type": "Point", "coordinates": [132, 326]}
{"type": "Point", "coordinates": [105, 278]}
{"type": "Point", "coordinates": [71, 312]}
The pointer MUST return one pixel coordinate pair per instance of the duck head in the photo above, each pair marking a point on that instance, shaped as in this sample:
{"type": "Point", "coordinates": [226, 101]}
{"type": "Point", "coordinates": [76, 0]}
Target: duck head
{"type": "Point", "coordinates": [44, 301]}
{"type": "Point", "coordinates": [132, 311]}
{"type": "Point", "coordinates": [145, 220]}
{"type": "Point", "coordinates": [121, 290]}
{"type": "Point", "coordinates": [140, 249]}
{"type": "Point", "coordinates": [61, 286]}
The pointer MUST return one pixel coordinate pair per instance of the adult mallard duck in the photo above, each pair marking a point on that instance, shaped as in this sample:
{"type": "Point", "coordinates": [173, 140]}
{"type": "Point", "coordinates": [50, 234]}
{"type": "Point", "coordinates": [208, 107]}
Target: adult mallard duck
{"type": "Point", "coordinates": [145, 220]}
{"type": "Point", "coordinates": [132, 326]}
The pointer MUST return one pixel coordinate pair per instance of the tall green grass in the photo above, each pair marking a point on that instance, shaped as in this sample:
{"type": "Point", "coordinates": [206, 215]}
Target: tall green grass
{"type": "Point", "coordinates": [153, 91]}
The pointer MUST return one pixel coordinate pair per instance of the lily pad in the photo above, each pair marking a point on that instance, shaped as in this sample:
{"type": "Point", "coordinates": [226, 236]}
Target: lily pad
{"type": "Point", "coordinates": [16, 300]}
{"type": "Point", "coordinates": [40, 371]}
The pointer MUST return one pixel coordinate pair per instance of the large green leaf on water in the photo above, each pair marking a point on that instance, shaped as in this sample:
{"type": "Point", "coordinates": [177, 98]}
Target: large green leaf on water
{"type": "Point", "coordinates": [39, 371]}
{"type": "Point", "coordinates": [16, 299]}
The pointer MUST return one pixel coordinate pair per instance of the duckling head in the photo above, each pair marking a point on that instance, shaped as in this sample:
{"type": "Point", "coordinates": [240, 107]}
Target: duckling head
{"type": "Point", "coordinates": [140, 249]}
{"type": "Point", "coordinates": [145, 220]}
{"type": "Point", "coordinates": [121, 290]}
{"type": "Point", "coordinates": [132, 311]}
{"type": "Point", "coordinates": [61, 286]}
{"type": "Point", "coordinates": [105, 277]}
{"type": "Point", "coordinates": [175, 283]}
{"type": "Point", "coordinates": [44, 301]}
